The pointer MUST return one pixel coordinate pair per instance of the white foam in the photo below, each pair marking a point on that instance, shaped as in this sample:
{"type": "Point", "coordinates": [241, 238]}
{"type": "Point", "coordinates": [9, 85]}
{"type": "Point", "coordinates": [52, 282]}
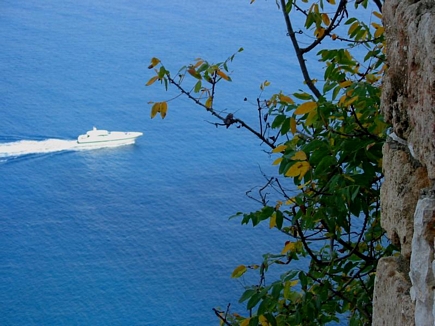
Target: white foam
{"type": "Point", "coordinates": [25, 147]}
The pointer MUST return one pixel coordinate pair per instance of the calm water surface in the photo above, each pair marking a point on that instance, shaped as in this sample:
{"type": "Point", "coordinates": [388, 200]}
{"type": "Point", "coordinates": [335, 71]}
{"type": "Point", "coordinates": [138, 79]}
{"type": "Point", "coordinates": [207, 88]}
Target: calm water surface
{"type": "Point", "coordinates": [134, 235]}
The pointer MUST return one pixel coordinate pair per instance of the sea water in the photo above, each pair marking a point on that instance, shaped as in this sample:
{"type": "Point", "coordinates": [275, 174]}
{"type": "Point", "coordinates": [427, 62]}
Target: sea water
{"type": "Point", "coordinates": [138, 234]}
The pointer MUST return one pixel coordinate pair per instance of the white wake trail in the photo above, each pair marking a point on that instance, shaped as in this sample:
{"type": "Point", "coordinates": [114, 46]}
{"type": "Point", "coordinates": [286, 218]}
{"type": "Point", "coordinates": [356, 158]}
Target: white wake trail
{"type": "Point", "coordinates": [26, 147]}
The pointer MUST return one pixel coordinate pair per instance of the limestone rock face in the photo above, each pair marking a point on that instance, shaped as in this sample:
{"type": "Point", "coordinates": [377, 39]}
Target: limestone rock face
{"type": "Point", "coordinates": [409, 86]}
{"type": "Point", "coordinates": [399, 195]}
{"type": "Point", "coordinates": [422, 261]}
{"type": "Point", "coordinates": [391, 278]}
{"type": "Point", "coordinates": [404, 287]}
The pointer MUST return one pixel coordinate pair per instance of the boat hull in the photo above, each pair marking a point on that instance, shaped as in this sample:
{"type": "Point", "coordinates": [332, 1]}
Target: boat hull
{"type": "Point", "coordinates": [112, 138]}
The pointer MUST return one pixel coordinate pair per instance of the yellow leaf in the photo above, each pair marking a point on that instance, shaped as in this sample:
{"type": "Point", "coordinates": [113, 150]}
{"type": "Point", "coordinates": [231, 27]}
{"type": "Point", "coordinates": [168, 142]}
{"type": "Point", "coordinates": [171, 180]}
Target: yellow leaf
{"type": "Point", "coordinates": [332, 2]}
{"type": "Point", "coordinates": [371, 78]}
{"type": "Point", "coordinates": [239, 271]}
{"type": "Point", "coordinates": [310, 118]}
{"type": "Point", "coordinates": [198, 63]}
{"type": "Point", "coordinates": [299, 156]}
{"type": "Point", "coordinates": [342, 99]}
{"type": "Point", "coordinates": [277, 161]}
{"type": "Point", "coordinates": [222, 74]}
{"type": "Point", "coordinates": [376, 25]}
{"type": "Point", "coordinates": [209, 102]}
{"type": "Point", "coordinates": [286, 99]}
{"type": "Point", "coordinates": [379, 32]}
{"type": "Point", "coordinates": [194, 73]}
{"type": "Point", "coordinates": [293, 283]}
{"type": "Point", "coordinates": [306, 107]}
{"type": "Point", "coordinates": [272, 221]}
{"type": "Point", "coordinates": [290, 201]}
{"type": "Point", "coordinates": [155, 109]}
{"type": "Point", "coordinates": [353, 27]}
{"type": "Point", "coordinates": [245, 322]}
{"type": "Point", "coordinates": [289, 246]}
{"type": "Point", "coordinates": [152, 80]}
{"type": "Point", "coordinates": [263, 321]}
{"type": "Point", "coordinates": [346, 83]}
{"type": "Point", "coordinates": [377, 14]}
{"type": "Point", "coordinates": [304, 185]}
{"type": "Point", "coordinates": [154, 62]}
{"type": "Point", "coordinates": [279, 149]}
{"type": "Point", "coordinates": [319, 32]}
{"type": "Point", "coordinates": [352, 100]}
{"type": "Point", "coordinates": [293, 125]}
{"type": "Point", "coordinates": [163, 109]}
{"type": "Point", "coordinates": [325, 19]}
{"type": "Point", "coordinates": [298, 169]}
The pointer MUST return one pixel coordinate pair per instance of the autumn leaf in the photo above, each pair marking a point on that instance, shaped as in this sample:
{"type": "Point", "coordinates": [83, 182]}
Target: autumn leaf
{"type": "Point", "coordinates": [286, 99]}
{"type": "Point", "coordinates": [163, 109]}
{"type": "Point", "coordinates": [152, 80]}
{"type": "Point", "coordinates": [306, 108]}
{"type": "Point", "coordinates": [379, 31]}
{"type": "Point", "coordinates": [299, 156]}
{"type": "Point", "coordinates": [310, 118]}
{"type": "Point", "coordinates": [279, 149]}
{"type": "Point", "coordinates": [198, 63]}
{"type": "Point", "coordinates": [325, 19]}
{"type": "Point", "coordinates": [245, 322]}
{"type": "Point", "coordinates": [293, 125]}
{"type": "Point", "coordinates": [194, 73]}
{"type": "Point", "coordinates": [155, 109]}
{"type": "Point", "coordinates": [277, 161]}
{"type": "Point", "coordinates": [289, 246]}
{"type": "Point", "coordinates": [209, 102]}
{"type": "Point", "coordinates": [353, 27]}
{"type": "Point", "coordinates": [154, 62]}
{"type": "Point", "coordinates": [377, 14]}
{"type": "Point", "coordinates": [272, 221]}
{"type": "Point", "coordinates": [351, 100]}
{"type": "Point", "coordinates": [223, 75]}
{"type": "Point", "coordinates": [298, 169]}
{"type": "Point", "coordinates": [346, 83]}
{"type": "Point", "coordinates": [239, 271]}
{"type": "Point", "coordinates": [320, 32]}
{"type": "Point", "coordinates": [263, 321]}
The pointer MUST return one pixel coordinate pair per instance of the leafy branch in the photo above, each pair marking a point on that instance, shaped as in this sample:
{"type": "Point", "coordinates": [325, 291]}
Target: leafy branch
{"type": "Point", "coordinates": [328, 142]}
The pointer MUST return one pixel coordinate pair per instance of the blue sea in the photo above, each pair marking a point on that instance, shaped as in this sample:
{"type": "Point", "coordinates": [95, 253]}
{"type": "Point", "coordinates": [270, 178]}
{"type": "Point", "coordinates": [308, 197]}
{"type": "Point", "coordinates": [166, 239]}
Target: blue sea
{"type": "Point", "coordinates": [137, 234]}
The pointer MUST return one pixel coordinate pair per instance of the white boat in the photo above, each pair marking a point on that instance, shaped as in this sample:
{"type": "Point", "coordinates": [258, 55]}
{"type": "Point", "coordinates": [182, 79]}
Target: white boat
{"type": "Point", "coordinates": [99, 136]}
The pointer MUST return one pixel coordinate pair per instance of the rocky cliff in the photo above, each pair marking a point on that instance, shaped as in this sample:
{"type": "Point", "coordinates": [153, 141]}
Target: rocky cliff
{"type": "Point", "coordinates": [404, 288]}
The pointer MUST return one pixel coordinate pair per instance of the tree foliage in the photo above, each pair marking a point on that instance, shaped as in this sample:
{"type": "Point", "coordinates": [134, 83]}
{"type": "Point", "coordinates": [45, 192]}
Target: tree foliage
{"type": "Point", "coordinates": [327, 141]}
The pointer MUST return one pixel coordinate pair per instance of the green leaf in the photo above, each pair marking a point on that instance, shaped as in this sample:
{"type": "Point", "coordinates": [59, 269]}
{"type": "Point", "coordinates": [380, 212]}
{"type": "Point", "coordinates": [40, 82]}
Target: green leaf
{"type": "Point", "coordinates": [197, 87]}
{"type": "Point", "coordinates": [279, 219]}
{"type": "Point", "coordinates": [247, 294]}
{"type": "Point", "coordinates": [303, 96]}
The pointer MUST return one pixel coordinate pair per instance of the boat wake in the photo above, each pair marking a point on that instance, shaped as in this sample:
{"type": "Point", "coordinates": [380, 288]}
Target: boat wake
{"type": "Point", "coordinates": [27, 147]}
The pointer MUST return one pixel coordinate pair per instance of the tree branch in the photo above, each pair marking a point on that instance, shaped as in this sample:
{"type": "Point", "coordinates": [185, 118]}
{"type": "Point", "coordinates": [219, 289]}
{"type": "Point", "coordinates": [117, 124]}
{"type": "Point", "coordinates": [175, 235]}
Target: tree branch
{"type": "Point", "coordinates": [299, 53]}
